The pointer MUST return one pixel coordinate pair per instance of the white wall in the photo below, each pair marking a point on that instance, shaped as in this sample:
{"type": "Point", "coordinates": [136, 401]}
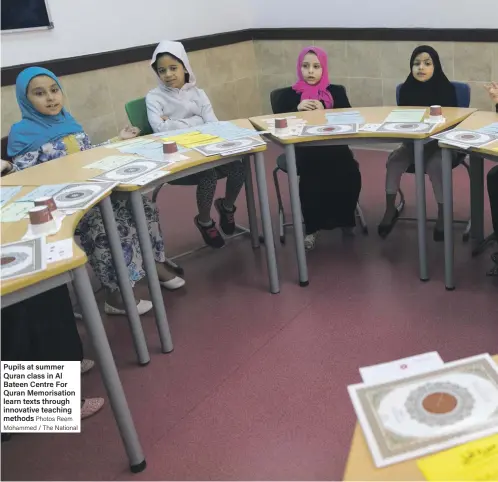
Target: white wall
{"type": "Point", "coordinates": [376, 13]}
{"type": "Point", "coordinates": [91, 26]}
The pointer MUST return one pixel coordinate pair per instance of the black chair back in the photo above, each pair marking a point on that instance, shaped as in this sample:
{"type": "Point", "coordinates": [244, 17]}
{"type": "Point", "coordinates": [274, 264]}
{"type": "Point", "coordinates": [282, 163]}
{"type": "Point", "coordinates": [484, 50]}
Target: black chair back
{"type": "Point", "coordinates": [4, 154]}
{"type": "Point", "coordinates": [276, 96]}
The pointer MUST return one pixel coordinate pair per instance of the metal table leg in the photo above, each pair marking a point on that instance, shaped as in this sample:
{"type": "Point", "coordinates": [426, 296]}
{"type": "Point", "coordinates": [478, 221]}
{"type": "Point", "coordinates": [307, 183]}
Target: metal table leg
{"type": "Point", "coordinates": [150, 268]}
{"type": "Point", "coordinates": [477, 197]}
{"type": "Point", "coordinates": [123, 281]}
{"type": "Point", "coordinates": [448, 219]}
{"type": "Point", "coordinates": [290, 155]}
{"type": "Point", "coordinates": [264, 205]}
{"type": "Point", "coordinates": [108, 370]}
{"type": "Point", "coordinates": [421, 209]}
{"type": "Point", "coordinates": [251, 207]}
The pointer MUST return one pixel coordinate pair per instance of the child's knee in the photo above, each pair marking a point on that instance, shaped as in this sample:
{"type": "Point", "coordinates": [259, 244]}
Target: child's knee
{"type": "Point", "coordinates": [237, 169]}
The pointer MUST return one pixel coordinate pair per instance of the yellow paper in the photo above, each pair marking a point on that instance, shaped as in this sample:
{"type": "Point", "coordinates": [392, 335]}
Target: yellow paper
{"type": "Point", "coordinates": [193, 139]}
{"type": "Point", "coordinates": [473, 461]}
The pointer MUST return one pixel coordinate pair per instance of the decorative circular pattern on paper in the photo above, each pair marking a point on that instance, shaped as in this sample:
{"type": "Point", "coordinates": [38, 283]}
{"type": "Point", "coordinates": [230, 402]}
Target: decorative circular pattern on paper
{"type": "Point", "coordinates": [405, 127]}
{"type": "Point", "coordinates": [228, 145]}
{"type": "Point", "coordinates": [13, 262]}
{"type": "Point", "coordinates": [468, 137]}
{"type": "Point", "coordinates": [75, 195]}
{"type": "Point", "coordinates": [133, 170]}
{"type": "Point", "coordinates": [439, 404]}
{"type": "Point", "coordinates": [329, 130]}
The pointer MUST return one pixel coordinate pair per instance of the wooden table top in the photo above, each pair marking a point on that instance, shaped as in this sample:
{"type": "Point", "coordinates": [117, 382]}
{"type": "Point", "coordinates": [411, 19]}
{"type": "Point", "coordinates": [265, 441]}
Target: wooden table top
{"type": "Point", "coordinates": [372, 115]}
{"type": "Point", "coordinates": [12, 232]}
{"type": "Point", "coordinates": [69, 168]}
{"type": "Point", "coordinates": [360, 465]}
{"type": "Point", "coordinates": [476, 121]}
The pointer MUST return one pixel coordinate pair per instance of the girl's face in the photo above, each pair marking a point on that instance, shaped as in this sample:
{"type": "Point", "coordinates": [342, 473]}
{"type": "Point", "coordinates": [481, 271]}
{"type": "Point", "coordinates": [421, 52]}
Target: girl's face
{"type": "Point", "coordinates": [45, 95]}
{"type": "Point", "coordinates": [171, 72]}
{"type": "Point", "coordinates": [311, 69]}
{"type": "Point", "coordinates": [423, 67]}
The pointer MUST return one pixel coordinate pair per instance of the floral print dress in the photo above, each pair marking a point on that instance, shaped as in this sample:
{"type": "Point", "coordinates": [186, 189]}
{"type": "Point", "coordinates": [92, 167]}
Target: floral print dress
{"type": "Point", "coordinates": [91, 227]}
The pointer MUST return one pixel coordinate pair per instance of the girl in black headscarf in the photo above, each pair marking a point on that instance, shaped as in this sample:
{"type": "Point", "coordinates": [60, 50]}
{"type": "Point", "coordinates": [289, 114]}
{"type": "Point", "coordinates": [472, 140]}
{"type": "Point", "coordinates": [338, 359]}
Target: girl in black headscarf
{"type": "Point", "coordinates": [425, 86]}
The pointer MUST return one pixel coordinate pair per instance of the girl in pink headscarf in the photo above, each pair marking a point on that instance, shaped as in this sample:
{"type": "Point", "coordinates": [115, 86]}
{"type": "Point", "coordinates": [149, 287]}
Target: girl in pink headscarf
{"type": "Point", "coordinates": [330, 181]}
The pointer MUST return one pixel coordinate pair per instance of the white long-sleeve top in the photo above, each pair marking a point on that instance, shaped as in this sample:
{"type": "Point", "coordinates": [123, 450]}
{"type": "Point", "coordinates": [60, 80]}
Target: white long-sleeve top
{"type": "Point", "coordinates": [185, 107]}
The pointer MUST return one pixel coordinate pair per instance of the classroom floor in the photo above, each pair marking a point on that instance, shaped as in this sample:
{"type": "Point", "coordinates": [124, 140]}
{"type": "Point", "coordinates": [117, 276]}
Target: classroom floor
{"type": "Point", "coordinates": [256, 386]}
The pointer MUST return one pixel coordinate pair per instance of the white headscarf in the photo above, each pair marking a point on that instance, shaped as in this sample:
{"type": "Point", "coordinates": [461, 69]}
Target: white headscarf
{"type": "Point", "coordinates": [178, 50]}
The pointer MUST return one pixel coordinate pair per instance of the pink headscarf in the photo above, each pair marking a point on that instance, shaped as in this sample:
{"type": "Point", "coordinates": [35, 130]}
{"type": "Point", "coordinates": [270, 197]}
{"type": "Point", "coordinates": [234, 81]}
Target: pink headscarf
{"type": "Point", "coordinates": [318, 91]}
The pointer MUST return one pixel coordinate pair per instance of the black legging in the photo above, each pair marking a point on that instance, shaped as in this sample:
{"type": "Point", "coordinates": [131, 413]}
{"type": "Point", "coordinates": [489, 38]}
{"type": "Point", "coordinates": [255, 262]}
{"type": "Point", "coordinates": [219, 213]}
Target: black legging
{"type": "Point", "coordinates": [41, 328]}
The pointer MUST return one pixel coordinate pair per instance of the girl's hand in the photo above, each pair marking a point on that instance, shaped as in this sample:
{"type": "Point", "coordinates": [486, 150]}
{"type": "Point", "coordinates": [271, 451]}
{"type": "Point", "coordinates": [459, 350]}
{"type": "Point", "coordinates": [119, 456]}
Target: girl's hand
{"type": "Point", "coordinates": [129, 132]}
{"type": "Point", "coordinates": [164, 117]}
{"type": "Point", "coordinates": [306, 105]}
{"type": "Point", "coordinates": [6, 167]}
{"type": "Point", "coordinates": [493, 91]}
{"type": "Point", "coordinates": [318, 105]}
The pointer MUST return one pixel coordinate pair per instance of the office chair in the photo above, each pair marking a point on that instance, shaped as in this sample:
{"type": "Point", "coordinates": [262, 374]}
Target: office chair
{"type": "Point", "coordinates": [463, 100]}
{"type": "Point", "coordinates": [282, 166]}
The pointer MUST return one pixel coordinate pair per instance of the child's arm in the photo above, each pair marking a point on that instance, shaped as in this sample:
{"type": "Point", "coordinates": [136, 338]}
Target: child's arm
{"type": "Point", "coordinates": [341, 100]}
{"type": "Point", "coordinates": [207, 111]}
{"type": "Point", "coordinates": [7, 167]}
{"type": "Point", "coordinates": [29, 159]}
{"type": "Point", "coordinates": [158, 124]}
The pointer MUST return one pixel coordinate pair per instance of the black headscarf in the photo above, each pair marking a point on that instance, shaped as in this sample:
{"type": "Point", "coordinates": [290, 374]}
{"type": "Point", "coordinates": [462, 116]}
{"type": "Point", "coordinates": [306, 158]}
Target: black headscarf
{"type": "Point", "coordinates": [438, 90]}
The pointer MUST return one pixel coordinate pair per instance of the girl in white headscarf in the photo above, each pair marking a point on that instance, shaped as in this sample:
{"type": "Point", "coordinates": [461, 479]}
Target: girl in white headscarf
{"type": "Point", "coordinates": [178, 104]}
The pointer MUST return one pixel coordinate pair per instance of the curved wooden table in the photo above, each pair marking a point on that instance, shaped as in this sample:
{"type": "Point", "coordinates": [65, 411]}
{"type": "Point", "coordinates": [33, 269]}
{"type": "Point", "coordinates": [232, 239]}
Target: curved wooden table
{"type": "Point", "coordinates": [71, 169]}
{"type": "Point", "coordinates": [74, 270]}
{"type": "Point", "coordinates": [477, 155]}
{"type": "Point", "coordinates": [372, 115]}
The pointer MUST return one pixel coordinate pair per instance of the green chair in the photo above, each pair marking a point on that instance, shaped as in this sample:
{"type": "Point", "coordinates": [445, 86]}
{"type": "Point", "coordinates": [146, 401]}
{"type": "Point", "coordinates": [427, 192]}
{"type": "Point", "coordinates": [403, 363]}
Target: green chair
{"type": "Point", "coordinates": [137, 114]}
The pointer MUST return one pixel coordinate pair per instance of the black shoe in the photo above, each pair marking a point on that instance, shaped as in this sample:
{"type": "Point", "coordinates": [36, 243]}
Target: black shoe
{"type": "Point", "coordinates": [438, 235]}
{"type": "Point", "coordinates": [227, 218]}
{"type": "Point", "coordinates": [385, 229]}
{"type": "Point", "coordinates": [210, 234]}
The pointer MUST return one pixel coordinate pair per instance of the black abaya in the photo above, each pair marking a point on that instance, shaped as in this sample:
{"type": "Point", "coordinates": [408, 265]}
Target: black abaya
{"type": "Point", "coordinates": [330, 180]}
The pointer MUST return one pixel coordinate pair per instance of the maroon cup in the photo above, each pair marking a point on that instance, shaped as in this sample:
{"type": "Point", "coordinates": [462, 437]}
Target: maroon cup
{"type": "Point", "coordinates": [170, 147]}
{"type": "Point", "coordinates": [281, 123]}
{"type": "Point", "coordinates": [40, 215]}
{"type": "Point", "coordinates": [46, 201]}
{"type": "Point", "coordinates": [436, 110]}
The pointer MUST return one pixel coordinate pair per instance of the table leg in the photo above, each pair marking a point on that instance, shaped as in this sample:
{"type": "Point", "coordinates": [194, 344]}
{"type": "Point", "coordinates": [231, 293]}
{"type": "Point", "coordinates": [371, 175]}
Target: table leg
{"type": "Point", "coordinates": [290, 155]}
{"type": "Point", "coordinates": [421, 209]}
{"type": "Point", "coordinates": [108, 370]}
{"type": "Point", "coordinates": [137, 207]}
{"type": "Point", "coordinates": [251, 206]}
{"type": "Point", "coordinates": [477, 197]}
{"type": "Point", "coordinates": [264, 205]}
{"type": "Point", "coordinates": [124, 281]}
{"type": "Point", "coordinates": [448, 219]}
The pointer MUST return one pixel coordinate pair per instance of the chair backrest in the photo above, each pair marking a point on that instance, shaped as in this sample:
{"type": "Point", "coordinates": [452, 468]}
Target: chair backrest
{"type": "Point", "coordinates": [137, 114]}
{"type": "Point", "coordinates": [276, 95]}
{"type": "Point", "coordinates": [462, 92]}
{"type": "Point", "coordinates": [4, 154]}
